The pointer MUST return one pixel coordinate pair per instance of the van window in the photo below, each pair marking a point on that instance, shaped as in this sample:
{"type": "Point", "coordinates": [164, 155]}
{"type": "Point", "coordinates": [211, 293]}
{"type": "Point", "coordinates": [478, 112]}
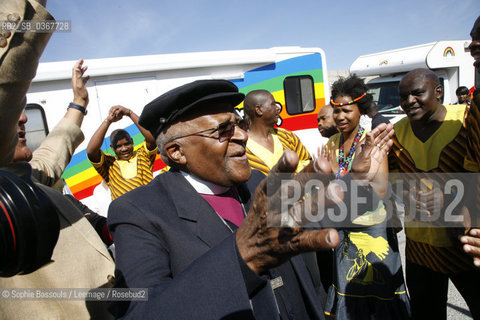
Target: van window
{"type": "Point", "coordinates": [299, 94]}
{"type": "Point", "coordinates": [36, 127]}
{"type": "Point", "coordinates": [385, 95]}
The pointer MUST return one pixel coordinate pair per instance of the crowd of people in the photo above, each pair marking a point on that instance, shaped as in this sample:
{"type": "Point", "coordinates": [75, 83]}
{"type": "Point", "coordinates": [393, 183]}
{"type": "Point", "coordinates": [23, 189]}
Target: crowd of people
{"type": "Point", "coordinates": [210, 237]}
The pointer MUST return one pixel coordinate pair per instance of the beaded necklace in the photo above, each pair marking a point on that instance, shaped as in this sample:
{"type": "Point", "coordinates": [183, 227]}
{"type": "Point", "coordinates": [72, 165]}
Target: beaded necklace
{"type": "Point", "coordinates": [345, 162]}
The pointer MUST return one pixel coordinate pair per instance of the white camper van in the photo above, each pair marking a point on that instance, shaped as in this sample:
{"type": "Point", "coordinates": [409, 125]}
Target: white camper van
{"type": "Point", "coordinates": [450, 60]}
{"type": "Point", "coordinates": [297, 77]}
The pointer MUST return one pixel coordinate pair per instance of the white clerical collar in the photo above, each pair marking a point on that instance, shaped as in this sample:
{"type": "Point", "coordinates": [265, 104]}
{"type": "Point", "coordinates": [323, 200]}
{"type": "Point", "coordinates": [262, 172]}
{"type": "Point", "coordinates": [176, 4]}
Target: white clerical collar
{"type": "Point", "coordinates": [202, 186]}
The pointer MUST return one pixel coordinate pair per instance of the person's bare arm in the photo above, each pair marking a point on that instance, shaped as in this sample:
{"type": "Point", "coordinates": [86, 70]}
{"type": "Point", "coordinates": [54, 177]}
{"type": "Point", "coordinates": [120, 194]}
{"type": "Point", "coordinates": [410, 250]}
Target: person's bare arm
{"type": "Point", "coordinates": [95, 144]}
{"type": "Point", "coordinates": [380, 182]}
{"type": "Point", "coordinates": [149, 139]}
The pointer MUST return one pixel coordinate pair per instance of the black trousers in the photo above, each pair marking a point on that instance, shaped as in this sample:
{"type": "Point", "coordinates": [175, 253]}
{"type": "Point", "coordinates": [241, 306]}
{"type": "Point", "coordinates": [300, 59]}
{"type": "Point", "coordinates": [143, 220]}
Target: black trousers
{"type": "Point", "coordinates": [429, 291]}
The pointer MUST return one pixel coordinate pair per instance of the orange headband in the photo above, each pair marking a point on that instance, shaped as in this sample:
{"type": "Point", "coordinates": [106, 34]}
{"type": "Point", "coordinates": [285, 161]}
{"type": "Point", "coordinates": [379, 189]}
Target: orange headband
{"type": "Point", "coordinates": [347, 103]}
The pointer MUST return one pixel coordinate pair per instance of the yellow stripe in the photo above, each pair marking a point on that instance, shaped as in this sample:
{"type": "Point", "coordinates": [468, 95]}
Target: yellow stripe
{"type": "Point", "coordinates": [82, 176]}
{"type": "Point", "coordinates": [279, 96]}
{"type": "Point", "coordinates": [86, 184]}
{"type": "Point", "coordinates": [368, 296]}
{"type": "Point", "coordinates": [319, 88]}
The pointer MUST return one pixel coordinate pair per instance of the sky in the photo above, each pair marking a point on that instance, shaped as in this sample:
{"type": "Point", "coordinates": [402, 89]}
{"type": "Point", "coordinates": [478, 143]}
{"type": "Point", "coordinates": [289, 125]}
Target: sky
{"type": "Point", "coordinates": [344, 29]}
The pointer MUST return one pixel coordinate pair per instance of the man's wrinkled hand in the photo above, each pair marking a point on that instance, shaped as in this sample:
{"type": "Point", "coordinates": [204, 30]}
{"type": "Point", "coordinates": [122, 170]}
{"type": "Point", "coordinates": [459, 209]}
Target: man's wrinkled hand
{"type": "Point", "coordinates": [263, 247]}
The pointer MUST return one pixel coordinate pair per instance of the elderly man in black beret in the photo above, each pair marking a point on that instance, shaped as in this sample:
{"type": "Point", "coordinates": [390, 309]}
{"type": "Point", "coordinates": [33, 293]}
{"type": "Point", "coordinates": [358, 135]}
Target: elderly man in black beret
{"type": "Point", "coordinates": [187, 236]}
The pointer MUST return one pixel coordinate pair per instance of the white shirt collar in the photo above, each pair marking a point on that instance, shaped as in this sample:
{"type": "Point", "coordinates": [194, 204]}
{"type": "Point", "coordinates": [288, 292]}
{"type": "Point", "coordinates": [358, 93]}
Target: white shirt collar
{"type": "Point", "coordinates": [202, 186]}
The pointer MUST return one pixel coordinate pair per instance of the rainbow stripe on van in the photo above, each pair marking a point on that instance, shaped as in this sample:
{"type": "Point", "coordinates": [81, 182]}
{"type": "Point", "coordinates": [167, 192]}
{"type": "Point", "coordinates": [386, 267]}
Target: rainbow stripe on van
{"type": "Point", "coordinates": [82, 178]}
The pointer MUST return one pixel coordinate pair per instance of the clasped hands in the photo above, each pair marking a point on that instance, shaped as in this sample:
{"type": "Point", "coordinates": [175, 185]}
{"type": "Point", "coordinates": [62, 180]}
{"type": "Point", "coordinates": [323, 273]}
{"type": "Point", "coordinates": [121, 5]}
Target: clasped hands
{"type": "Point", "coordinates": [117, 112]}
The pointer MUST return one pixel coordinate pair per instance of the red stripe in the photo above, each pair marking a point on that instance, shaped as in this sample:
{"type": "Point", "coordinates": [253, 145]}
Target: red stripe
{"type": "Point", "coordinates": [308, 121]}
{"type": "Point", "coordinates": [11, 226]}
{"type": "Point", "coordinates": [87, 192]}
{"type": "Point", "coordinates": [158, 164]}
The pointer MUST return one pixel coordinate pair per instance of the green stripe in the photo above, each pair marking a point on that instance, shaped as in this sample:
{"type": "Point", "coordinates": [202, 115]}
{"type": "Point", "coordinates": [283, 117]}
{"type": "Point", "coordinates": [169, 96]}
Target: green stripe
{"type": "Point", "coordinates": [82, 166]}
{"type": "Point", "coordinates": [276, 84]}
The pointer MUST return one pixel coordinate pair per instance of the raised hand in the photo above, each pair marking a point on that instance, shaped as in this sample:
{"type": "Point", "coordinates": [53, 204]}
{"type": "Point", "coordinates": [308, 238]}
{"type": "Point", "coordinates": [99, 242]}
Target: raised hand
{"type": "Point", "coordinates": [327, 159]}
{"type": "Point", "coordinates": [80, 93]}
{"type": "Point", "coordinates": [373, 151]}
{"type": "Point", "coordinates": [117, 112]}
{"type": "Point", "coordinates": [262, 246]}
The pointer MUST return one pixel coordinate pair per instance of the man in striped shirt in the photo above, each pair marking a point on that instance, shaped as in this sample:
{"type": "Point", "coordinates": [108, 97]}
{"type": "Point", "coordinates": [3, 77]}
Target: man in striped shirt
{"type": "Point", "coordinates": [265, 143]}
{"type": "Point", "coordinates": [471, 241]}
{"type": "Point", "coordinates": [433, 141]}
{"type": "Point", "coordinates": [128, 169]}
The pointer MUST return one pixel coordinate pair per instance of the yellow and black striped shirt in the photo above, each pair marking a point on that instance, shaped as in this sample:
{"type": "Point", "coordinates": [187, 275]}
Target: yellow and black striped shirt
{"type": "Point", "coordinates": [444, 152]}
{"type": "Point", "coordinates": [473, 125]}
{"type": "Point", "coordinates": [263, 160]}
{"type": "Point", "coordinates": [110, 169]}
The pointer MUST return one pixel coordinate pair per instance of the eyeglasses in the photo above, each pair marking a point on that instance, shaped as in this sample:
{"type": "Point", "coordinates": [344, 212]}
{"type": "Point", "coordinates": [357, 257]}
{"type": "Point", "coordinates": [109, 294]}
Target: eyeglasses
{"type": "Point", "coordinates": [225, 130]}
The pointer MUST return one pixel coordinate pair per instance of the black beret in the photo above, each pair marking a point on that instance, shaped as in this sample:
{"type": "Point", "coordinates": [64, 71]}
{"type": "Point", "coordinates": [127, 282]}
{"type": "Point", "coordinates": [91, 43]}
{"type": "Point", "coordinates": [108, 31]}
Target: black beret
{"type": "Point", "coordinates": [172, 104]}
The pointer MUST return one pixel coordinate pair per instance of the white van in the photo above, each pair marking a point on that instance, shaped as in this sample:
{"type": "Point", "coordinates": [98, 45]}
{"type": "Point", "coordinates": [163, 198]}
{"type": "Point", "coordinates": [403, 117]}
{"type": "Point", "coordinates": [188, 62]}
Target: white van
{"type": "Point", "coordinates": [450, 60]}
{"type": "Point", "coordinates": [297, 77]}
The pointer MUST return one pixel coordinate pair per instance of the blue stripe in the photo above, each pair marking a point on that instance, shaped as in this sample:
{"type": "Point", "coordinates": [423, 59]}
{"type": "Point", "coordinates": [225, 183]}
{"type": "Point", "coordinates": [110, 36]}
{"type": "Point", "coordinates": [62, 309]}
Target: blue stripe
{"type": "Point", "coordinates": [282, 68]}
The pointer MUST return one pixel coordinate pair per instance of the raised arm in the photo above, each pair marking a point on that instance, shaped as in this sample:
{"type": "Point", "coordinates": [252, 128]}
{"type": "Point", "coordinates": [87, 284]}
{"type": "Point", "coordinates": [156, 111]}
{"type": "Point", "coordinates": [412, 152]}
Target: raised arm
{"type": "Point", "coordinates": [52, 157]}
{"type": "Point", "coordinates": [95, 144]}
{"type": "Point", "coordinates": [149, 139]}
{"type": "Point", "coordinates": [121, 111]}
{"type": "Point", "coordinates": [80, 94]}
